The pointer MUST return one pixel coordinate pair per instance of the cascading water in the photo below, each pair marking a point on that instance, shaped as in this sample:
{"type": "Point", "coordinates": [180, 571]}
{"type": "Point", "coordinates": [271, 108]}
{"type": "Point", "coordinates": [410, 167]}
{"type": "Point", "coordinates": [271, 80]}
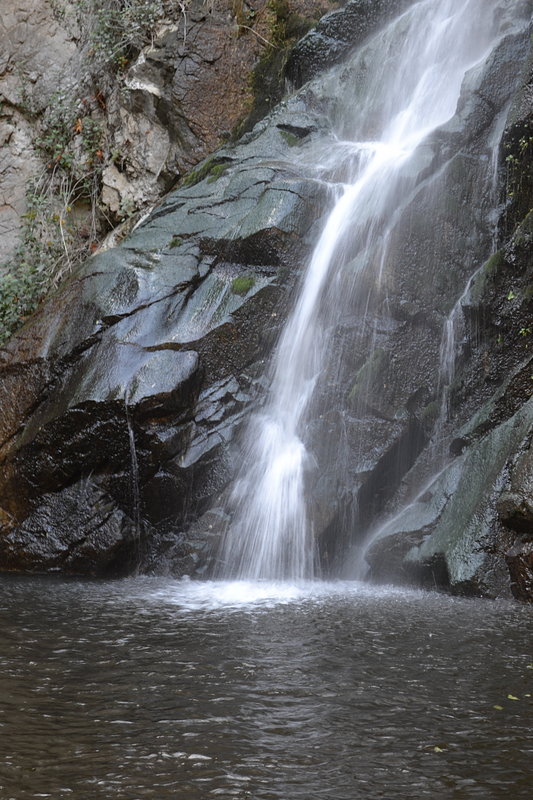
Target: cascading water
{"type": "Point", "coordinates": [416, 77]}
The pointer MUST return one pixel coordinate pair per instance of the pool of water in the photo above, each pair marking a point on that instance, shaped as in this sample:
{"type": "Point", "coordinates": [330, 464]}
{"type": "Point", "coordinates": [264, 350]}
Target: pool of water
{"type": "Point", "coordinates": [157, 688]}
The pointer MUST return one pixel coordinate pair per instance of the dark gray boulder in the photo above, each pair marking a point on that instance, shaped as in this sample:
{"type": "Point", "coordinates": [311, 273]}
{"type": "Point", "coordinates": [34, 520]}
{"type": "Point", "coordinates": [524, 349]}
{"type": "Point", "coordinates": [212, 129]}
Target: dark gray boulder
{"type": "Point", "coordinates": [79, 530]}
{"type": "Point", "coordinates": [336, 35]}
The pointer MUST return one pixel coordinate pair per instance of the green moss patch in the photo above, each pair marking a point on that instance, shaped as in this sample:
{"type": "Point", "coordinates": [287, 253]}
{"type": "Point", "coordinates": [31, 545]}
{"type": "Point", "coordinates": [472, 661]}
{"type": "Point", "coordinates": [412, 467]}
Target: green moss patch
{"type": "Point", "coordinates": [430, 414]}
{"type": "Point", "coordinates": [290, 138]}
{"type": "Point", "coordinates": [267, 80]}
{"type": "Point", "coordinates": [242, 284]}
{"type": "Point", "coordinates": [212, 169]}
{"type": "Point", "coordinates": [217, 171]}
{"type": "Point", "coordinates": [368, 375]}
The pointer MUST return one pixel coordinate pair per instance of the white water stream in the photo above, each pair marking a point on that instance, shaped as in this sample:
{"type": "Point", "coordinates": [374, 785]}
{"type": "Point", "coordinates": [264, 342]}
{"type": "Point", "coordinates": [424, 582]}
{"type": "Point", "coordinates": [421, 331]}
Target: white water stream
{"type": "Point", "coordinates": [416, 77]}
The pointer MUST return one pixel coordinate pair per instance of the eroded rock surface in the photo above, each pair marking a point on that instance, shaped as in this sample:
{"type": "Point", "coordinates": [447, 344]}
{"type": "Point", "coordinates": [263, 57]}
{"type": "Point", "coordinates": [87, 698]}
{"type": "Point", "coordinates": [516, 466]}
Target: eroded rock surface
{"type": "Point", "coordinates": [471, 528]}
{"type": "Point", "coordinates": [139, 368]}
{"type": "Point", "coordinates": [29, 75]}
{"type": "Point", "coordinates": [144, 107]}
{"type": "Point", "coordinates": [337, 34]}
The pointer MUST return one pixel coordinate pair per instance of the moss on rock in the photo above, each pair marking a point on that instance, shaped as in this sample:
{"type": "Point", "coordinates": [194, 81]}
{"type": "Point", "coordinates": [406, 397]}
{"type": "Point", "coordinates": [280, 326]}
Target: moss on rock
{"type": "Point", "coordinates": [242, 284]}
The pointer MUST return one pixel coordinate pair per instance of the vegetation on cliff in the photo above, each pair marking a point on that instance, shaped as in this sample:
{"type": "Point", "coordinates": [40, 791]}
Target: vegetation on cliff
{"type": "Point", "coordinates": [94, 170]}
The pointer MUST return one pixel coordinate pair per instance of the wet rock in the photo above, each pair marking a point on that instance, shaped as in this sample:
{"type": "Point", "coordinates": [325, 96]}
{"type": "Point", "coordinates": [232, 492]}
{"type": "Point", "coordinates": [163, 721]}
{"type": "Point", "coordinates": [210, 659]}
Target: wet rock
{"type": "Point", "coordinates": [458, 518]}
{"type": "Point", "coordinates": [477, 511]}
{"type": "Point", "coordinates": [163, 384]}
{"type": "Point", "coordinates": [387, 384]}
{"type": "Point", "coordinates": [78, 530]}
{"type": "Point", "coordinates": [147, 355]}
{"type": "Point", "coordinates": [336, 35]}
{"type": "Point", "coordinates": [519, 559]}
{"type": "Point", "coordinates": [515, 511]}
{"type": "Point", "coordinates": [515, 504]}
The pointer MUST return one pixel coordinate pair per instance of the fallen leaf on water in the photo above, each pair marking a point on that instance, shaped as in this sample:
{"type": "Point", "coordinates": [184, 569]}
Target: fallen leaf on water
{"type": "Point", "coordinates": [498, 708]}
{"type": "Point", "coordinates": [512, 697]}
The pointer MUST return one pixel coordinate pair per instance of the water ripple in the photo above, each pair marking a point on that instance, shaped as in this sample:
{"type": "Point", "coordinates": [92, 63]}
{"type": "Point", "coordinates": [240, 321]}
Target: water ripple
{"type": "Point", "coordinates": [154, 688]}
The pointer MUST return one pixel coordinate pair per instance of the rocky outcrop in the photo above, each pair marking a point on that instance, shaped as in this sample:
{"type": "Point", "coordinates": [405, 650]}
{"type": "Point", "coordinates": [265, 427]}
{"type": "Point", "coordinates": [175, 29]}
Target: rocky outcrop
{"type": "Point", "coordinates": [78, 530]}
{"type": "Point", "coordinates": [29, 76]}
{"type": "Point", "coordinates": [103, 108]}
{"type": "Point", "coordinates": [337, 34]}
{"type": "Point", "coordinates": [471, 527]}
{"type": "Point", "coordinates": [132, 379]}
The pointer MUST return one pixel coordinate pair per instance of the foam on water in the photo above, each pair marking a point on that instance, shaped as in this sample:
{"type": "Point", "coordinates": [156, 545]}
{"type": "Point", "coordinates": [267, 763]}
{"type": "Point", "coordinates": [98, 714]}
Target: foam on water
{"type": "Point", "coordinates": [191, 596]}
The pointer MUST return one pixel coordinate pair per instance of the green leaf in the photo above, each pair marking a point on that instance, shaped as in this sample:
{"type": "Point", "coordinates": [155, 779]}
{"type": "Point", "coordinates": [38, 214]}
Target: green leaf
{"type": "Point", "coordinates": [498, 708]}
{"type": "Point", "coordinates": [512, 697]}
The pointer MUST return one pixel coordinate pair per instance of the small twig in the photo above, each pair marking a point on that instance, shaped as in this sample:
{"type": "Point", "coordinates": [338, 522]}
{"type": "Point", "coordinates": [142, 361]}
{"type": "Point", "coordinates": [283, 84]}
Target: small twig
{"type": "Point", "coordinates": [184, 15]}
{"type": "Point", "coordinates": [67, 254]}
{"type": "Point", "coordinates": [260, 37]}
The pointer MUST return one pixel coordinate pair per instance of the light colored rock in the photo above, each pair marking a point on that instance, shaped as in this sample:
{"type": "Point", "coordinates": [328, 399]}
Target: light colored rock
{"type": "Point", "coordinates": [37, 53]}
{"type": "Point", "coordinates": [18, 163]}
{"type": "Point", "coordinates": [116, 189]}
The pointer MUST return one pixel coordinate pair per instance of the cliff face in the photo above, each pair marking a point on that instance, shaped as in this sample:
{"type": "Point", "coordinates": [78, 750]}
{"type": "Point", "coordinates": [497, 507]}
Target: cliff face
{"type": "Point", "coordinates": [28, 69]}
{"type": "Point", "coordinates": [104, 105]}
{"type": "Point", "coordinates": [471, 527]}
{"type": "Point", "coordinates": [102, 111]}
{"type": "Point", "coordinates": [124, 395]}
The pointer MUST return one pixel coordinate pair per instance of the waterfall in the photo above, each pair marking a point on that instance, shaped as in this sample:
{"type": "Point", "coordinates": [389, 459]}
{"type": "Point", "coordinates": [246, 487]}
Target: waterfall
{"type": "Point", "coordinates": [416, 73]}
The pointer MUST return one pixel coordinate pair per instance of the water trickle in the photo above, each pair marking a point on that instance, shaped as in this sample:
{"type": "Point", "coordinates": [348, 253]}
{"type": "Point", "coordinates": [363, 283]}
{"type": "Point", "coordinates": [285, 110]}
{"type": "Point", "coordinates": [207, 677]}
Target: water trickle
{"type": "Point", "coordinates": [454, 325]}
{"type": "Point", "coordinates": [134, 480]}
{"type": "Point", "coordinates": [452, 331]}
{"type": "Point", "coordinates": [416, 73]}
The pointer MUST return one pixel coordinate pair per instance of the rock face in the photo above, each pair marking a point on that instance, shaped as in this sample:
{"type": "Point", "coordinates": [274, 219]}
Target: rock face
{"type": "Point", "coordinates": [25, 71]}
{"type": "Point", "coordinates": [471, 528]}
{"type": "Point", "coordinates": [124, 395]}
{"type": "Point", "coordinates": [138, 95]}
{"type": "Point", "coordinates": [132, 379]}
{"type": "Point", "coordinates": [336, 35]}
